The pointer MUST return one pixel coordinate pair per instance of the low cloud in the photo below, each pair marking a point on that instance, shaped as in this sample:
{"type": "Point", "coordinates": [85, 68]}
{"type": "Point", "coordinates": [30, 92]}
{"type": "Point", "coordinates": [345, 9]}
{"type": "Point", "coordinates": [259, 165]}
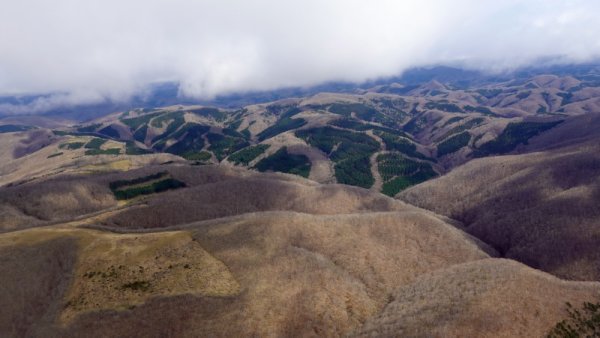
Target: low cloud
{"type": "Point", "coordinates": [110, 49]}
{"type": "Point", "coordinates": [47, 102]}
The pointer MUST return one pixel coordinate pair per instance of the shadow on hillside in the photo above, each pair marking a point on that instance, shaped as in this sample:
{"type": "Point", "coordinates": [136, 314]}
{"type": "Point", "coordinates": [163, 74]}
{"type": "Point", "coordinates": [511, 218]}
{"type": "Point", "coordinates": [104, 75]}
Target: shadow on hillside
{"type": "Point", "coordinates": [36, 140]}
{"type": "Point", "coordinates": [238, 196]}
{"type": "Point", "coordinates": [547, 219]}
{"type": "Point", "coordinates": [33, 281]}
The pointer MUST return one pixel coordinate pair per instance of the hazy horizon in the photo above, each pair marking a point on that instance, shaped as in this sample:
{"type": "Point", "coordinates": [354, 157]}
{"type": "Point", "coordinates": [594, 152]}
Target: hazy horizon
{"type": "Point", "coordinates": [97, 50]}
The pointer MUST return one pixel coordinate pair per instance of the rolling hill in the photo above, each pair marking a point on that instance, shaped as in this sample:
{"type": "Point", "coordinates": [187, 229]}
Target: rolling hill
{"type": "Point", "coordinates": [537, 206]}
{"type": "Point", "coordinates": [243, 269]}
{"type": "Point", "coordinates": [429, 130]}
{"type": "Point", "coordinates": [484, 298]}
{"type": "Point", "coordinates": [270, 270]}
{"type": "Point", "coordinates": [414, 207]}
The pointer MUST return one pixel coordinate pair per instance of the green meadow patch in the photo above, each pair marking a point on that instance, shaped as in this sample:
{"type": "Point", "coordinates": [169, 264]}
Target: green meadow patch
{"type": "Point", "coordinates": [155, 183]}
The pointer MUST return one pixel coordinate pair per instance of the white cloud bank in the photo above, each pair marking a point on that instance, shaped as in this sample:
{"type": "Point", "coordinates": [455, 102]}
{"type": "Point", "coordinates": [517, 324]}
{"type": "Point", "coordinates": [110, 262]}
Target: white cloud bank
{"type": "Point", "coordinates": [112, 48]}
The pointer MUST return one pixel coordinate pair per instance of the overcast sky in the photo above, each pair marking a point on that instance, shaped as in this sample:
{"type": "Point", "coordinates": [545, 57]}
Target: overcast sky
{"type": "Point", "coordinates": [112, 48]}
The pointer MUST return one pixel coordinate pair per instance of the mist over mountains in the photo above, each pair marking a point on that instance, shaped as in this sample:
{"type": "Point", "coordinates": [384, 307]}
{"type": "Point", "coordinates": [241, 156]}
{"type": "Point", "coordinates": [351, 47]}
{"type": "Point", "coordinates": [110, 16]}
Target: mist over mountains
{"type": "Point", "coordinates": [107, 51]}
{"type": "Point", "coordinates": [70, 107]}
{"type": "Point", "coordinates": [318, 168]}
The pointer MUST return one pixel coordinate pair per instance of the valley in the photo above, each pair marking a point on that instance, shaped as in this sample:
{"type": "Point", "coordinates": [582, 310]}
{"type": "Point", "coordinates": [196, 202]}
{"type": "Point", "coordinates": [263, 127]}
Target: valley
{"type": "Point", "coordinates": [408, 210]}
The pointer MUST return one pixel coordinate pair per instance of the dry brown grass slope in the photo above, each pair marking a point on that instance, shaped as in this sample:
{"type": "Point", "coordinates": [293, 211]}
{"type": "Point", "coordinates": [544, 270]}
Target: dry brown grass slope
{"type": "Point", "coordinates": [327, 274]}
{"type": "Point", "coordinates": [38, 166]}
{"type": "Point", "coordinates": [485, 298]}
{"type": "Point", "coordinates": [212, 192]}
{"type": "Point", "coordinates": [275, 273]}
{"type": "Point", "coordinates": [74, 272]}
{"type": "Point", "coordinates": [38, 154]}
{"type": "Point", "coordinates": [35, 140]}
{"type": "Point", "coordinates": [575, 130]}
{"type": "Point", "coordinates": [245, 192]}
{"type": "Point", "coordinates": [265, 274]}
{"type": "Point", "coordinates": [34, 280]}
{"type": "Point", "coordinates": [37, 120]}
{"type": "Point", "coordinates": [62, 198]}
{"type": "Point", "coordinates": [66, 196]}
{"type": "Point", "coordinates": [539, 208]}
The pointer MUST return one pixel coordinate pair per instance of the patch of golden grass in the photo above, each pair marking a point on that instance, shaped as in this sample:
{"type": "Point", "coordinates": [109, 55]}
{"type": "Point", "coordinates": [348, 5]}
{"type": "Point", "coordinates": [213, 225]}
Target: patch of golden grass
{"type": "Point", "coordinates": [122, 165]}
{"type": "Point", "coordinates": [117, 272]}
{"type": "Point", "coordinates": [76, 138]}
{"type": "Point", "coordinates": [113, 144]}
{"type": "Point", "coordinates": [122, 203]}
{"type": "Point", "coordinates": [29, 237]}
{"type": "Point", "coordinates": [121, 271]}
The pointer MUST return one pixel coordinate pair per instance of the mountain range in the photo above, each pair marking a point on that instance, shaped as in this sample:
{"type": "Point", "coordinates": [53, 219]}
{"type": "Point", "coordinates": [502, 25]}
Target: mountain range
{"type": "Point", "coordinates": [444, 202]}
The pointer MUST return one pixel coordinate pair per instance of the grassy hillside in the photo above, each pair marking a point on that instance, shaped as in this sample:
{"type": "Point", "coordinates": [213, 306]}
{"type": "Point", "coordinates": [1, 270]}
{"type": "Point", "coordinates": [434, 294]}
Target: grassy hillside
{"type": "Point", "coordinates": [399, 172]}
{"type": "Point", "coordinates": [53, 200]}
{"type": "Point", "coordinates": [190, 141]}
{"type": "Point", "coordinates": [484, 298]}
{"type": "Point", "coordinates": [281, 126]}
{"type": "Point", "coordinates": [239, 252]}
{"type": "Point", "coordinates": [224, 145]}
{"type": "Point", "coordinates": [282, 161]}
{"type": "Point", "coordinates": [426, 121]}
{"type": "Point", "coordinates": [222, 196]}
{"type": "Point", "coordinates": [225, 277]}
{"type": "Point", "coordinates": [349, 150]}
{"type": "Point", "coordinates": [537, 208]}
{"type": "Point", "coordinates": [246, 155]}
{"type": "Point", "coordinates": [512, 136]}
{"type": "Point", "coordinates": [161, 239]}
{"type": "Point", "coordinates": [145, 185]}
{"type": "Point", "coordinates": [453, 144]}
